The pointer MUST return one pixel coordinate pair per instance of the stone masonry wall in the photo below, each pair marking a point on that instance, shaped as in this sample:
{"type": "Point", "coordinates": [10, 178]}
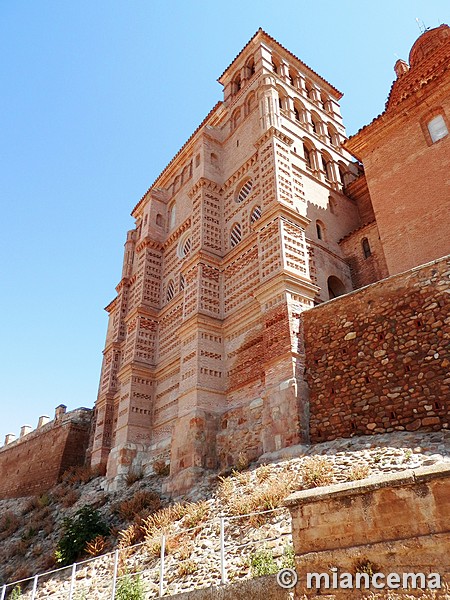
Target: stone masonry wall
{"type": "Point", "coordinates": [33, 463]}
{"type": "Point", "coordinates": [377, 360]}
{"type": "Point", "coordinates": [398, 523]}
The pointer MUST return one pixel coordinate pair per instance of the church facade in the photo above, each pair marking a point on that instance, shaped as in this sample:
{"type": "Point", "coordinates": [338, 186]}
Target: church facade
{"type": "Point", "coordinates": [262, 214]}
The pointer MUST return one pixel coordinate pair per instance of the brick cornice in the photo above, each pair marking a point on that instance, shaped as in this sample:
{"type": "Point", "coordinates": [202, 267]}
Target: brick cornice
{"type": "Point", "coordinates": [203, 182]}
{"type": "Point", "coordinates": [271, 133]}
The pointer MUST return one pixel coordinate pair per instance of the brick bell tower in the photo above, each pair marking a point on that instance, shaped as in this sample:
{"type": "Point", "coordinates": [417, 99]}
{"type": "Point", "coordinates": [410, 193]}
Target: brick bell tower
{"type": "Point", "coordinates": [203, 359]}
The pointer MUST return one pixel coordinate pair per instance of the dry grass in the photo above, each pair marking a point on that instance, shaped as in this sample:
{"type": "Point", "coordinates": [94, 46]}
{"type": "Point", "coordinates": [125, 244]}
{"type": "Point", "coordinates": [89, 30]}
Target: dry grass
{"type": "Point", "coordinates": [130, 536]}
{"type": "Point", "coordinates": [97, 546]}
{"type": "Point", "coordinates": [317, 471]}
{"type": "Point", "coordinates": [187, 567]}
{"type": "Point", "coordinates": [266, 496]}
{"type": "Point", "coordinates": [358, 472]}
{"type": "Point", "coordinates": [134, 507]}
{"type": "Point", "coordinates": [134, 475]}
{"type": "Point", "coordinates": [70, 498]}
{"type": "Point", "coordinates": [9, 523]}
{"type": "Point", "coordinates": [160, 467]}
{"type": "Point", "coordinates": [81, 474]}
{"type": "Point", "coordinates": [195, 513]}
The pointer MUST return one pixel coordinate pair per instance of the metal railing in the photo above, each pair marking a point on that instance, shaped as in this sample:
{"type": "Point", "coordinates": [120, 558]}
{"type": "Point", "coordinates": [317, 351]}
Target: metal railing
{"type": "Point", "coordinates": [113, 566]}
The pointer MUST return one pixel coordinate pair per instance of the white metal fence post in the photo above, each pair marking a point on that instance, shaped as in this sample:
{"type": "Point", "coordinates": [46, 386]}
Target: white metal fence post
{"type": "Point", "coordinates": [72, 580]}
{"type": "Point", "coordinates": [35, 582]}
{"type": "Point", "coordinates": [223, 568]}
{"type": "Point", "coordinates": [3, 594]}
{"type": "Point", "coordinates": [161, 566]}
{"type": "Point", "coordinates": [116, 566]}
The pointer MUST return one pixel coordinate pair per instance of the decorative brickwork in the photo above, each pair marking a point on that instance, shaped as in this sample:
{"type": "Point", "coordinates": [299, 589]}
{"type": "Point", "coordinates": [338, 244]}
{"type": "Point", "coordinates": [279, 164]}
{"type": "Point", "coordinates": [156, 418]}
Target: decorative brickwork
{"type": "Point", "coordinates": [378, 359]}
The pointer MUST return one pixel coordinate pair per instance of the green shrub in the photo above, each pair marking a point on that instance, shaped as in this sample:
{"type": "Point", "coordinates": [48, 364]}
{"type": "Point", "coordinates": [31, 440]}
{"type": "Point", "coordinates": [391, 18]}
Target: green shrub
{"type": "Point", "coordinates": [262, 562]}
{"type": "Point", "coordinates": [130, 589]}
{"type": "Point", "coordinates": [16, 593]}
{"type": "Point", "coordinates": [288, 559]}
{"type": "Point", "coordinates": [85, 525]}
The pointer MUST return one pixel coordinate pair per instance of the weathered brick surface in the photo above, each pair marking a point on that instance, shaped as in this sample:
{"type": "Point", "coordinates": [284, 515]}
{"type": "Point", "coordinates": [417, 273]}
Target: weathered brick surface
{"type": "Point", "coordinates": [365, 269]}
{"type": "Point", "coordinates": [397, 522]}
{"type": "Point", "coordinates": [378, 359]}
{"type": "Point", "coordinates": [34, 463]}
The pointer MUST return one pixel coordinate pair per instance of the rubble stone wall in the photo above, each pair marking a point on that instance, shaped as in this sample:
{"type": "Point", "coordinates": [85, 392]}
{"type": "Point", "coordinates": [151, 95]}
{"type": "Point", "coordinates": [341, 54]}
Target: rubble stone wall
{"type": "Point", "coordinates": [377, 360]}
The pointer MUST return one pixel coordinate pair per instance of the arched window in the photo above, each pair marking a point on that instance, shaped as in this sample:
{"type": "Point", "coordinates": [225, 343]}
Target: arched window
{"type": "Point", "coordinates": [316, 124]}
{"type": "Point", "coordinates": [326, 166]}
{"type": "Point", "coordinates": [342, 173]}
{"type": "Point", "coordinates": [333, 137]}
{"type": "Point", "coordinates": [320, 230]}
{"type": "Point", "coordinates": [309, 90]}
{"type": "Point", "coordinates": [437, 128]}
{"type": "Point", "coordinates": [282, 98]}
{"type": "Point", "coordinates": [275, 65]}
{"type": "Point", "coordinates": [250, 67]}
{"type": "Point", "coordinates": [235, 235]}
{"type": "Point", "coordinates": [170, 291]}
{"type": "Point", "coordinates": [235, 119]}
{"type": "Point", "coordinates": [213, 158]}
{"type": "Point", "coordinates": [366, 248]}
{"type": "Point", "coordinates": [255, 214]}
{"type": "Point", "coordinates": [244, 191]}
{"type": "Point", "coordinates": [182, 282]}
{"type": "Point", "coordinates": [237, 84]}
{"type": "Point", "coordinates": [308, 156]}
{"type": "Point", "coordinates": [159, 220]}
{"type": "Point", "coordinates": [184, 247]}
{"type": "Point", "coordinates": [335, 287]}
{"type": "Point", "coordinates": [250, 103]}
{"type": "Point", "coordinates": [172, 215]}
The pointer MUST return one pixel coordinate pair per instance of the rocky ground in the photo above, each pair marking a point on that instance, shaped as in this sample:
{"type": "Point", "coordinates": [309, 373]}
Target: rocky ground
{"type": "Point", "coordinates": [139, 514]}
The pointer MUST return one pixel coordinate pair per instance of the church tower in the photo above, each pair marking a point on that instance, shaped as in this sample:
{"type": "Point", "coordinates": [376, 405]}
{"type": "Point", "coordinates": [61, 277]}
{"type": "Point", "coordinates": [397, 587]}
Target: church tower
{"type": "Point", "coordinates": [239, 234]}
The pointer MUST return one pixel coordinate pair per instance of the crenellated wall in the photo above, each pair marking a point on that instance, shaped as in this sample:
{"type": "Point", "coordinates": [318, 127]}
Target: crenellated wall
{"type": "Point", "coordinates": [34, 462]}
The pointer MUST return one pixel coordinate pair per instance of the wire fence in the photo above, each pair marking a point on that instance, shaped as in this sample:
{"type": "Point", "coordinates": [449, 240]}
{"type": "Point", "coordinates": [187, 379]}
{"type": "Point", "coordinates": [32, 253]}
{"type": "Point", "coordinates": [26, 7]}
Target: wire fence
{"type": "Point", "coordinates": [211, 553]}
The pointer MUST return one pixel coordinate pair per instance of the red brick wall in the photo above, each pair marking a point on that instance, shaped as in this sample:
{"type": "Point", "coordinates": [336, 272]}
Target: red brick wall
{"type": "Point", "coordinates": [409, 184]}
{"type": "Point", "coordinates": [34, 463]}
{"type": "Point", "coordinates": [378, 360]}
{"type": "Point", "coordinates": [364, 271]}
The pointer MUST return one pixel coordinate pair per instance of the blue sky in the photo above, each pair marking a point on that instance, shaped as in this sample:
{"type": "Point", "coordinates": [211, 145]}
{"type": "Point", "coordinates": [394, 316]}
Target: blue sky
{"type": "Point", "coordinates": [96, 97]}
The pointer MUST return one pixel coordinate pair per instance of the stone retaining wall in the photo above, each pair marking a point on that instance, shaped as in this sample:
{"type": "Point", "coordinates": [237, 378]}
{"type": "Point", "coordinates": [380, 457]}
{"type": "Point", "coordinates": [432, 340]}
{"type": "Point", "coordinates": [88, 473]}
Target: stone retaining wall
{"type": "Point", "coordinates": [378, 360]}
{"type": "Point", "coordinates": [396, 523]}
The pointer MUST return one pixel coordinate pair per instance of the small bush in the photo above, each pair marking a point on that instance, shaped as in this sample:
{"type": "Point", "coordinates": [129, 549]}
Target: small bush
{"type": "Point", "coordinates": [262, 563]}
{"type": "Point", "coordinates": [81, 474]}
{"type": "Point", "coordinates": [196, 513]}
{"type": "Point", "coordinates": [82, 528]}
{"type": "Point", "coordinates": [288, 558]}
{"type": "Point", "coordinates": [317, 471]}
{"type": "Point", "coordinates": [358, 472]}
{"type": "Point", "coordinates": [187, 567]}
{"type": "Point", "coordinates": [142, 500]}
{"type": "Point", "coordinates": [9, 523]}
{"type": "Point", "coordinates": [16, 593]}
{"type": "Point", "coordinates": [97, 546]}
{"type": "Point", "coordinates": [70, 498]}
{"type": "Point", "coordinates": [134, 475]}
{"type": "Point", "coordinates": [263, 473]}
{"type": "Point", "coordinates": [130, 589]}
{"type": "Point", "coordinates": [366, 566]}
{"type": "Point", "coordinates": [130, 536]}
{"type": "Point", "coordinates": [160, 467]}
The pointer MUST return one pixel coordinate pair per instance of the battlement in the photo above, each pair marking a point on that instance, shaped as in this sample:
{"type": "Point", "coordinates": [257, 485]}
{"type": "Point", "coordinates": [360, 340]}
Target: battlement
{"type": "Point", "coordinates": [34, 462]}
{"type": "Point", "coordinates": [77, 415]}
